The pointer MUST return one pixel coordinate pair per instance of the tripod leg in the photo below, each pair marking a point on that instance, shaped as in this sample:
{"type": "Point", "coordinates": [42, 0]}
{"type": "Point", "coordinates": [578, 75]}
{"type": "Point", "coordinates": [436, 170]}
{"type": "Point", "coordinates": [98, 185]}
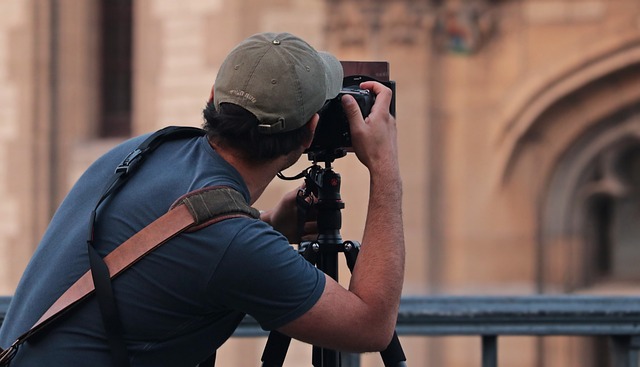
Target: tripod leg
{"type": "Point", "coordinates": [393, 356]}
{"type": "Point", "coordinates": [351, 250]}
{"type": "Point", "coordinates": [325, 358]}
{"type": "Point", "coordinates": [209, 362]}
{"type": "Point", "coordinates": [275, 350]}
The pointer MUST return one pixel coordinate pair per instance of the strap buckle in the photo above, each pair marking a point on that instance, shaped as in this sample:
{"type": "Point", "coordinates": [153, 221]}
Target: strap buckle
{"type": "Point", "coordinates": [7, 355]}
{"type": "Point", "coordinates": [127, 163]}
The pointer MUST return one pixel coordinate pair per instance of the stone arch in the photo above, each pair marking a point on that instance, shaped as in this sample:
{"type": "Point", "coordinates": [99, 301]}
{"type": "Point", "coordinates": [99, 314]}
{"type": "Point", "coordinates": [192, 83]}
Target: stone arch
{"type": "Point", "coordinates": [575, 119]}
{"type": "Point", "coordinates": [539, 94]}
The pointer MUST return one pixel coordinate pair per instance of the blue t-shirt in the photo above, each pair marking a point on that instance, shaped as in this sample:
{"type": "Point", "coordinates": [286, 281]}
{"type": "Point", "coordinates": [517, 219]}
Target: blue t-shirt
{"type": "Point", "coordinates": [180, 302]}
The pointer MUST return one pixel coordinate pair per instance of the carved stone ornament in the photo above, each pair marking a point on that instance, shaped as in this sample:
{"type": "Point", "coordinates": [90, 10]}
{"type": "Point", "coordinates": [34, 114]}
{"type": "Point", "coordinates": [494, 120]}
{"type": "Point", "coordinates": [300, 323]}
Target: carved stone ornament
{"type": "Point", "coordinates": [463, 28]}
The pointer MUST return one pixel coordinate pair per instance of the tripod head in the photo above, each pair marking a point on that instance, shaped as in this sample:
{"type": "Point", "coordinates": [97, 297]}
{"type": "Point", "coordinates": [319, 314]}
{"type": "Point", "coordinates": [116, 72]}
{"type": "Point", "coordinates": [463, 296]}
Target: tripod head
{"type": "Point", "coordinates": [327, 155]}
{"type": "Point", "coordinates": [325, 184]}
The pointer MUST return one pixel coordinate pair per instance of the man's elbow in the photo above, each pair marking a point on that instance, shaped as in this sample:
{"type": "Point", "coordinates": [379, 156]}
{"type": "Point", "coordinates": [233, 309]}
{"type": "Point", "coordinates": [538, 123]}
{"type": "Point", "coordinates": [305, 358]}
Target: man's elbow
{"type": "Point", "coordinates": [379, 338]}
{"type": "Point", "coordinates": [381, 343]}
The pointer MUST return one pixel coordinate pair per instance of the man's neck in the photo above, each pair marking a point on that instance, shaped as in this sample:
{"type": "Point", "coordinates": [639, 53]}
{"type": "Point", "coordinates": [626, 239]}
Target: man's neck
{"type": "Point", "coordinates": [255, 176]}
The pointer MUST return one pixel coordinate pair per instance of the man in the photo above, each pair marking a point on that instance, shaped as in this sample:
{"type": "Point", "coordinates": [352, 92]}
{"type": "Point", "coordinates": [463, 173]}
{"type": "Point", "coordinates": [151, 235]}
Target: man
{"type": "Point", "coordinates": [182, 301]}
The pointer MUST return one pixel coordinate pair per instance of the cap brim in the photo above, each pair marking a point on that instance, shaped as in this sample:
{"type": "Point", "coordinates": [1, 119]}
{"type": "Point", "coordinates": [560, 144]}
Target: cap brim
{"type": "Point", "coordinates": [333, 76]}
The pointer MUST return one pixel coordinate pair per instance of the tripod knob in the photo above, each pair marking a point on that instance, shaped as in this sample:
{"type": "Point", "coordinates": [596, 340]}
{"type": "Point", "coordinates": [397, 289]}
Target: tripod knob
{"type": "Point", "coordinates": [351, 245]}
{"type": "Point", "coordinates": [348, 246]}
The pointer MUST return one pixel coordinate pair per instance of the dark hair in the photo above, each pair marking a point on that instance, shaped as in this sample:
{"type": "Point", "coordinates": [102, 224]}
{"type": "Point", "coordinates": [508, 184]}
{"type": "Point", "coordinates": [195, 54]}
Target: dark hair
{"type": "Point", "coordinates": [235, 127]}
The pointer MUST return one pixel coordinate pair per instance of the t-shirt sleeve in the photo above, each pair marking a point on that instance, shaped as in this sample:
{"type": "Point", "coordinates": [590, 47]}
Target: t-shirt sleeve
{"type": "Point", "coordinates": [261, 275]}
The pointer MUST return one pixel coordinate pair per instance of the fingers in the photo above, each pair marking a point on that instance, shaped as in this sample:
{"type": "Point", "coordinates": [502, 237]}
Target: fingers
{"type": "Point", "coordinates": [381, 106]}
{"type": "Point", "coordinates": [383, 95]}
{"type": "Point", "coordinates": [310, 232]}
{"type": "Point", "coordinates": [374, 137]}
{"type": "Point", "coordinates": [351, 109]}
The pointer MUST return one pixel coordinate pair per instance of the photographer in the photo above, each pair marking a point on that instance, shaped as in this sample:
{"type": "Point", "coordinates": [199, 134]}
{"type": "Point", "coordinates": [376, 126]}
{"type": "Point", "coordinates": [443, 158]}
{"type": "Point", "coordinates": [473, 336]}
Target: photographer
{"type": "Point", "coordinates": [179, 303]}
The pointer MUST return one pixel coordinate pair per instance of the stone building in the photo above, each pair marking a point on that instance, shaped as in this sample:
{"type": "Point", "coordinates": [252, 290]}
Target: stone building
{"type": "Point", "coordinates": [519, 123]}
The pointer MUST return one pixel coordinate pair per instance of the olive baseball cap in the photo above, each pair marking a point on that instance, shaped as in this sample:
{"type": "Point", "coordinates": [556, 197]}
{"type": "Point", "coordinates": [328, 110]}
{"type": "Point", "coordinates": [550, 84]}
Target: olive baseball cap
{"type": "Point", "coordinates": [279, 78]}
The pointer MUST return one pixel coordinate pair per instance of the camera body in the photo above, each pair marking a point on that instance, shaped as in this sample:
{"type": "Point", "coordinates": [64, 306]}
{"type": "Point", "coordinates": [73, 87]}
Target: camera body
{"type": "Point", "coordinates": [332, 136]}
{"type": "Point", "coordinates": [333, 127]}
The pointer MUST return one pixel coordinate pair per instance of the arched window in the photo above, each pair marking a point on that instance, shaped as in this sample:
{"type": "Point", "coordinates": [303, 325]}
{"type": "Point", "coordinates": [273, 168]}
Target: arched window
{"type": "Point", "coordinates": [612, 225]}
{"type": "Point", "coordinates": [592, 207]}
{"type": "Point", "coordinates": [116, 68]}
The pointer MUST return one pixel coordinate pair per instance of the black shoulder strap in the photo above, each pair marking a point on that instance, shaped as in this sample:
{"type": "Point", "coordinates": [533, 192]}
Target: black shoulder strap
{"type": "Point", "coordinates": [100, 273]}
{"type": "Point", "coordinates": [99, 270]}
{"type": "Point", "coordinates": [131, 161]}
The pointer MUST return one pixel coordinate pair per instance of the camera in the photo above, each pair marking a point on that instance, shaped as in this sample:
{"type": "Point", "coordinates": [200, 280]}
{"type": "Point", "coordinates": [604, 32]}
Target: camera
{"type": "Point", "coordinates": [333, 127]}
{"type": "Point", "coordinates": [332, 137]}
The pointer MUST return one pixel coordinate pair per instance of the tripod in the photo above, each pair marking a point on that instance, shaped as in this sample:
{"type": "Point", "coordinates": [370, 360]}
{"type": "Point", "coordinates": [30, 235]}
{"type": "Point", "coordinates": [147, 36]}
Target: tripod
{"type": "Point", "coordinates": [323, 253]}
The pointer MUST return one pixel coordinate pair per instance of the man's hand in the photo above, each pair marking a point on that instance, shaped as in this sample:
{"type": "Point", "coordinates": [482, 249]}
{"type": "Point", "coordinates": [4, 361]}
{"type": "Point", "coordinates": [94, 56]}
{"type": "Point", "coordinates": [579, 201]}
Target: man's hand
{"type": "Point", "coordinates": [374, 138]}
{"type": "Point", "coordinates": [284, 219]}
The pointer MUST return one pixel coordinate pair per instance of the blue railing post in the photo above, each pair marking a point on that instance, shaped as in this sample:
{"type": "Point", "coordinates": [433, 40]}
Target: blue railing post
{"type": "Point", "coordinates": [634, 347]}
{"type": "Point", "coordinates": [489, 351]}
{"type": "Point", "coordinates": [624, 350]}
{"type": "Point", "coordinates": [350, 360]}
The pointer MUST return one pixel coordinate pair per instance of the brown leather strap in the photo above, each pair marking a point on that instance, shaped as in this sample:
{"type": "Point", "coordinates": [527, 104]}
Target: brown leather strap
{"type": "Point", "coordinates": [218, 202]}
{"type": "Point", "coordinates": [155, 234]}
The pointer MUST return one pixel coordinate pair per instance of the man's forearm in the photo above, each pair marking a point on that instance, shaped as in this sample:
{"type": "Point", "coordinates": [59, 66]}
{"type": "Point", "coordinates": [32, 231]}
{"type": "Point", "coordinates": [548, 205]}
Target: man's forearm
{"type": "Point", "coordinates": [378, 276]}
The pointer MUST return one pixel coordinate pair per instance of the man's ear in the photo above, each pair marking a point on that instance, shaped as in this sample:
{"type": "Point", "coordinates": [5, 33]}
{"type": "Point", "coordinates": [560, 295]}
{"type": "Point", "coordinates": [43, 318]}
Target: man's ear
{"type": "Point", "coordinates": [211, 96]}
{"type": "Point", "coordinates": [311, 125]}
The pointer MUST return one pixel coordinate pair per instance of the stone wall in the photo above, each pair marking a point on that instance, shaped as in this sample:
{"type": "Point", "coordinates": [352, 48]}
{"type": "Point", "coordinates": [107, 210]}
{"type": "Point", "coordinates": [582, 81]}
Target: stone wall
{"type": "Point", "coordinates": [490, 97]}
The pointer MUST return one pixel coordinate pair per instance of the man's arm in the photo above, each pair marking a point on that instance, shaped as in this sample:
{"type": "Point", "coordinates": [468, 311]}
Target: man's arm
{"type": "Point", "coordinates": [363, 317]}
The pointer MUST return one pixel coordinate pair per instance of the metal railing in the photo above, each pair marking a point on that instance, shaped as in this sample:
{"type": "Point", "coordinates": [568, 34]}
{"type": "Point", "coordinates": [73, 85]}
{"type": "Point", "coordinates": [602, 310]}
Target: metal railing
{"type": "Point", "coordinates": [492, 317]}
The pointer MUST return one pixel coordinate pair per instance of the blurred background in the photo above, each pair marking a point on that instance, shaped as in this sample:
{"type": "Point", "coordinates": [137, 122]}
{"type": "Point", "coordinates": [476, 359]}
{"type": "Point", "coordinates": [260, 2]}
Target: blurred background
{"type": "Point", "coordinates": [519, 128]}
